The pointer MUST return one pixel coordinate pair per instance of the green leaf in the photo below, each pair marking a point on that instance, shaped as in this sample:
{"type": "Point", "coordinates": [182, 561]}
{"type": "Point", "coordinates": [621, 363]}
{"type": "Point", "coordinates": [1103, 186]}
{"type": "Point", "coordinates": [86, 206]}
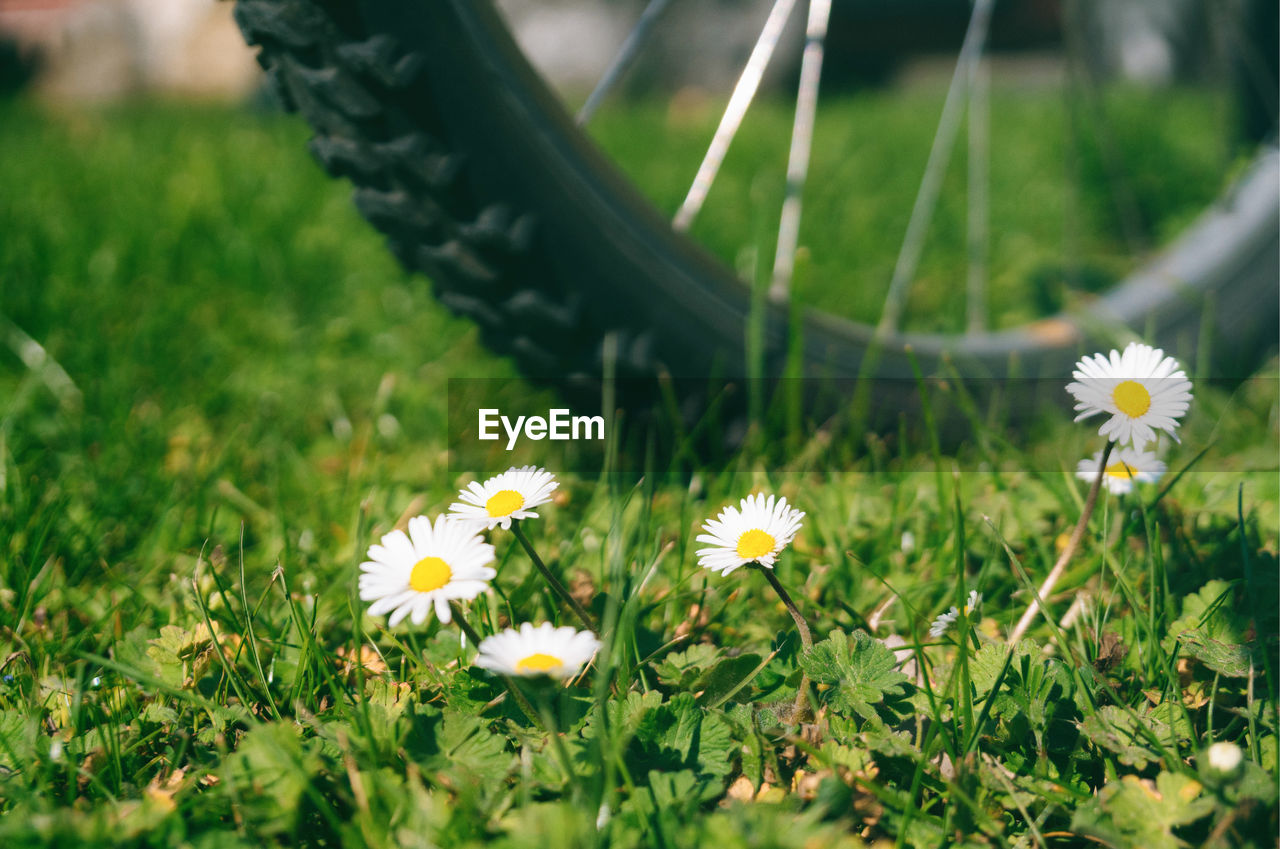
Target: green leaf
{"type": "Point", "coordinates": [701, 670]}
{"type": "Point", "coordinates": [181, 653]}
{"type": "Point", "coordinates": [278, 766]}
{"type": "Point", "coordinates": [624, 715]}
{"type": "Point", "coordinates": [681, 671]}
{"type": "Point", "coordinates": [19, 731]}
{"type": "Point", "coordinates": [728, 678]}
{"type": "Point", "coordinates": [855, 759]}
{"type": "Point", "coordinates": [682, 735]}
{"type": "Point", "coordinates": [1138, 812]}
{"type": "Point", "coordinates": [859, 669]}
{"type": "Point", "coordinates": [1211, 610]}
{"type": "Point", "coordinates": [1034, 698]}
{"type": "Point", "coordinates": [1230, 659]}
{"type": "Point", "coordinates": [470, 749]}
{"type": "Point", "coordinates": [1137, 737]}
{"type": "Point", "coordinates": [742, 719]}
{"type": "Point", "coordinates": [218, 719]}
{"type": "Point", "coordinates": [159, 714]}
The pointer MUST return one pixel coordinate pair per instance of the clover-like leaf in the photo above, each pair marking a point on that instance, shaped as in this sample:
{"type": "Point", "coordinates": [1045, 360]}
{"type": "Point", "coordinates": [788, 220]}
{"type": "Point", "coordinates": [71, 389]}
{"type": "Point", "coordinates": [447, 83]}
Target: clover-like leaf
{"type": "Point", "coordinates": [468, 747]}
{"type": "Point", "coordinates": [181, 653]}
{"type": "Point", "coordinates": [859, 669]}
{"type": "Point", "coordinates": [1139, 812]}
{"type": "Point", "coordinates": [1034, 696]}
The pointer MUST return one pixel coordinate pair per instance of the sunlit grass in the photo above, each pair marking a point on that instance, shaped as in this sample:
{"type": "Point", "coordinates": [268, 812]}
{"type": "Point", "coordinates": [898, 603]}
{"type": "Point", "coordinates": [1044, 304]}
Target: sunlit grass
{"type": "Point", "coordinates": [1056, 199]}
{"type": "Point", "coordinates": [261, 394]}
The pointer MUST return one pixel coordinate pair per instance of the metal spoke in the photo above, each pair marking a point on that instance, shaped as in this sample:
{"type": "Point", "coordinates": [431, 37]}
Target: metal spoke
{"type": "Point", "coordinates": [927, 197]}
{"type": "Point", "coordinates": [784, 258]}
{"type": "Point", "coordinates": [743, 92]}
{"type": "Point", "coordinates": [630, 49]}
{"type": "Point", "coordinates": [979, 196]}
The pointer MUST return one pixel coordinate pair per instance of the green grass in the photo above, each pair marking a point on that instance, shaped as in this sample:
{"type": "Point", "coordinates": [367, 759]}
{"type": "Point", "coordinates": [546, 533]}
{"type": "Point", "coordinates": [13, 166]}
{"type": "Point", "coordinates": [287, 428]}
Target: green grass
{"type": "Point", "coordinates": [258, 393]}
{"type": "Point", "coordinates": [1055, 223]}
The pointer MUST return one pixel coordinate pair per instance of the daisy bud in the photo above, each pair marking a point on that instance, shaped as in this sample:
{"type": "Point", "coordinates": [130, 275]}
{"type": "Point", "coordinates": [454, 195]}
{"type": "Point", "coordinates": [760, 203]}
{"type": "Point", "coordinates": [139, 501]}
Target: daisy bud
{"type": "Point", "coordinates": [1224, 759]}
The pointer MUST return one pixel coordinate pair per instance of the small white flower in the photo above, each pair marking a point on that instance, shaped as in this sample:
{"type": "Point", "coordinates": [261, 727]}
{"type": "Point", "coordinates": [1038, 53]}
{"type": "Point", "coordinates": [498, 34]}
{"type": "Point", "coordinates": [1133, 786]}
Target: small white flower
{"type": "Point", "coordinates": [55, 750]}
{"type": "Point", "coordinates": [432, 565]}
{"type": "Point", "coordinates": [538, 650]}
{"type": "Point", "coordinates": [1225, 757]}
{"type": "Point", "coordinates": [756, 533]}
{"type": "Point", "coordinates": [944, 620]}
{"type": "Point", "coordinates": [1142, 391]}
{"type": "Point", "coordinates": [908, 542]}
{"type": "Point", "coordinates": [510, 495]}
{"type": "Point", "coordinates": [1125, 467]}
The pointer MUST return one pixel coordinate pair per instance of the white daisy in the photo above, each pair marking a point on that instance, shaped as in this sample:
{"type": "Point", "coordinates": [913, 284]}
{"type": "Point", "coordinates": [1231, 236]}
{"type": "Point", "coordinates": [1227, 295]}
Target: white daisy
{"type": "Point", "coordinates": [1142, 390]}
{"type": "Point", "coordinates": [510, 495]}
{"type": "Point", "coordinates": [541, 650]}
{"type": "Point", "coordinates": [431, 565]}
{"type": "Point", "coordinates": [1125, 467]}
{"type": "Point", "coordinates": [944, 620]}
{"type": "Point", "coordinates": [755, 534]}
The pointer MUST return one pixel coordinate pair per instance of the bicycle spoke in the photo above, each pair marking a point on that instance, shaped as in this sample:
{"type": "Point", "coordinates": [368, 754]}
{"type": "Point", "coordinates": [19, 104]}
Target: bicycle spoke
{"type": "Point", "coordinates": [626, 55]}
{"type": "Point", "coordinates": [784, 258]}
{"type": "Point", "coordinates": [927, 196]}
{"type": "Point", "coordinates": [979, 196]}
{"type": "Point", "coordinates": [743, 93]}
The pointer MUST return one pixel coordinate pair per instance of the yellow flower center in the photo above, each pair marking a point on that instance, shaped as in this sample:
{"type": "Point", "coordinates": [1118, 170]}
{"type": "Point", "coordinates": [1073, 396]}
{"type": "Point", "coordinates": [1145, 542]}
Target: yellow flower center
{"type": "Point", "coordinates": [429, 573]}
{"type": "Point", "coordinates": [1122, 470]}
{"type": "Point", "coordinates": [1132, 399]}
{"type": "Point", "coordinates": [504, 503]}
{"type": "Point", "coordinates": [755, 544]}
{"type": "Point", "coordinates": [539, 663]}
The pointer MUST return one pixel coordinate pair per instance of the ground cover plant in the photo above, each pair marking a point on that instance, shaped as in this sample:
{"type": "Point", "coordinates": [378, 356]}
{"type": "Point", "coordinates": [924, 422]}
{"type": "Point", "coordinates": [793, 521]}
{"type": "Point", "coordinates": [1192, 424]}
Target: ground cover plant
{"type": "Point", "coordinates": [219, 393]}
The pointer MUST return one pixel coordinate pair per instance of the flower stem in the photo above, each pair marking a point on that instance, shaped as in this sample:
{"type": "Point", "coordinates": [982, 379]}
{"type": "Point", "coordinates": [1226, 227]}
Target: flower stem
{"type": "Point", "coordinates": [530, 713]}
{"type": "Point", "coordinates": [802, 625]}
{"type": "Point", "coordinates": [557, 743]}
{"type": "Point", "coordinates": [806, 637]}
{"type": "Point", "coordinates": [1073, 542]}
{"type": "Point", "coordinates": [551, 579]}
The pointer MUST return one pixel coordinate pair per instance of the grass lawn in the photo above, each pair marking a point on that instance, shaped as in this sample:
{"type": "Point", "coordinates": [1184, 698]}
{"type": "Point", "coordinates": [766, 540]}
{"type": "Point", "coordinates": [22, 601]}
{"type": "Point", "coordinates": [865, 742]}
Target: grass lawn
{"type": "Point", "coordinates": [218, 390]}
{"type": "Point", "coordinates": [1060, 173]}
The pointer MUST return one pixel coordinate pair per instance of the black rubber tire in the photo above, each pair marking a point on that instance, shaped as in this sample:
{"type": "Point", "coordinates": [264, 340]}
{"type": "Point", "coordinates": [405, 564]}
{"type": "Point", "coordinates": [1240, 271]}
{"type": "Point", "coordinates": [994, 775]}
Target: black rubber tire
{"type": "Point", "coordinates": [479, 179]}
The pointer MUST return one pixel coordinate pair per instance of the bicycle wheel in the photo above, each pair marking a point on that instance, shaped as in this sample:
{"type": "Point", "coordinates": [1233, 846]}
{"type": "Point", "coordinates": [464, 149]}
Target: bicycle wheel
{"type": "Point", "coordinates": [479, 177]}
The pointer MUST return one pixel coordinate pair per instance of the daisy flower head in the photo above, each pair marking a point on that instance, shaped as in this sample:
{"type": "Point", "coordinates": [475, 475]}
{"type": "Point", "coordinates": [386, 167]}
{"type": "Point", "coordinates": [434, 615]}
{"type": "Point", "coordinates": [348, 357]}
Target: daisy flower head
{"type": "Point", "coordinates": [1141, 390]}
{"type": "Point", "coordinates": [432, 565]}
{"type": "Point", "coordinates": [538, 650]}
{"type": "Point", "coordinates": [945, 620]}
{"type": "Point", "coordinates": [510, 495]}
{"type": "Point", "coordinates": [1125, 467]}
{"type": "Point", "coordinates": [755, 532]}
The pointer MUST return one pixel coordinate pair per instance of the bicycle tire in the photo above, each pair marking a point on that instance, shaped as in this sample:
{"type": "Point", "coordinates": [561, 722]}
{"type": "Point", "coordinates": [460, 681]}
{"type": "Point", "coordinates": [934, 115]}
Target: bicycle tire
{"type": "Point", "coordinates": [479, 178]}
